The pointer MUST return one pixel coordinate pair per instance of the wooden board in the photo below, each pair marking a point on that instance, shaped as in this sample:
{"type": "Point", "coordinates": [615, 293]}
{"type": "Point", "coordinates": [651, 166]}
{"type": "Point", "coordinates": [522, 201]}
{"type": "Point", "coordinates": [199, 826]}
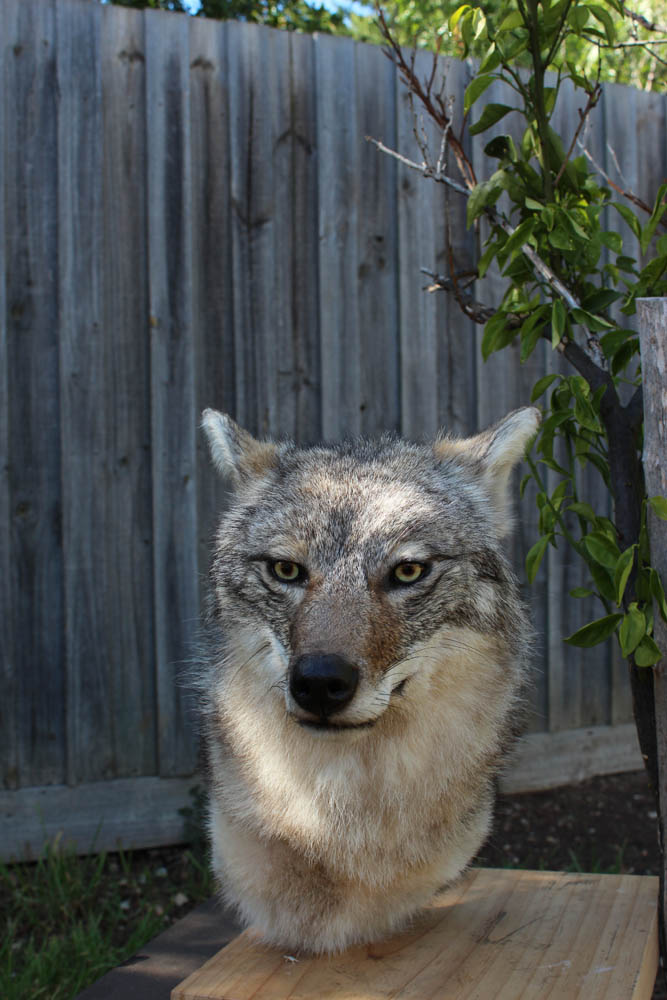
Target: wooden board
{"type": "Point", "coordinates": [501, 934]}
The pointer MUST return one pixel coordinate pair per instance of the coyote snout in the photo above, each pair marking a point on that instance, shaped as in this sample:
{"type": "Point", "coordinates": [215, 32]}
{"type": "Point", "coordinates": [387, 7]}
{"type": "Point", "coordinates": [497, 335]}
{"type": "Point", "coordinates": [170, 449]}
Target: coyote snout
{"type": "Point", "coordinates": [322, 684]}
{"type": "Point", "coordinates": [367, 652]}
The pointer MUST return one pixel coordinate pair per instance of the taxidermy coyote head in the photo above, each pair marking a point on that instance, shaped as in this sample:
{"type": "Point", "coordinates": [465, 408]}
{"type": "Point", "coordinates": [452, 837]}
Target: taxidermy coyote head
{"type": "Point", "coordinates": [367, 647]}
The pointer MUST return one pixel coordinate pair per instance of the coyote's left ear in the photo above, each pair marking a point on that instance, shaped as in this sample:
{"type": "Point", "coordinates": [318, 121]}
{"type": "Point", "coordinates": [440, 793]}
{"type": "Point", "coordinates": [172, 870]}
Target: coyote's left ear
{"type": "Point", "coordinates": [236, 453]}
{"type": "Point", "coordinates": [493, 454]}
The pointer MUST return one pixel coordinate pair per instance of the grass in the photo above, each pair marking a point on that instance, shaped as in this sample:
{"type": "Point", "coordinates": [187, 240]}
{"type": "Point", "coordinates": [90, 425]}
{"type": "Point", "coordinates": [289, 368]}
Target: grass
{"type": "Point", "coordinates": [67, 920]}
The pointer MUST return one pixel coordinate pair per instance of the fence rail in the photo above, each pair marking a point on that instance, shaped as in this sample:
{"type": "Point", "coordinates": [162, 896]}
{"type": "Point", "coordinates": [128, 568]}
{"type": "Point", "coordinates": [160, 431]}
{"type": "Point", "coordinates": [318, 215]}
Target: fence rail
{"type": "Point", "coordinates": [190, 216]}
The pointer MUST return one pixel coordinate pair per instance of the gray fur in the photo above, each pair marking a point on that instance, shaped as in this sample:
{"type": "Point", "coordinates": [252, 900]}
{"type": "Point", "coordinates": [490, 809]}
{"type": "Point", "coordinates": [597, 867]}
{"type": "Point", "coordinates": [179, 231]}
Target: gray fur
{"type": "Point", "coordinates": [327, 838]}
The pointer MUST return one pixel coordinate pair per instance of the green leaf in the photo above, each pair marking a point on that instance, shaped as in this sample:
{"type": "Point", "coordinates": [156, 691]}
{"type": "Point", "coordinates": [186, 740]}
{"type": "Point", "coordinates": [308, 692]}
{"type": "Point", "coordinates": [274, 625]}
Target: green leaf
{"type": "Point", "coordinates": [629, 217]}
{"type": "Point", "coordinates": [603, 581]}
{"type": "Point", "coordinates": [604, 17]}
{"type": "Point", "coordinates": [647, 653]}
{"type": "Point", "coordinates": [491, 114]}
{"type": "Point", "coordinates": [602, 549]}
{"type": "Point", "coordinates": [595, 632]}
{"type": "Point", "coordinates": [612, 240]}
{"type": "Point", "coordinates": [524, 482]}
{"type": "Point", "coordinates": [541, 386]}
{"type": "Point", "coordinates": [476, 88]}
{"type": "Point", "coordinates": [622, 572]}
{"type": "Point", "coordinates": [659, 505]}
{"type": "Point", "coordinates": [458, 14]}
{"type": "Point", "coordinates": [558, 318]}
{"type": "Point", "coordinates": [580, 592]}
{"type": "Point", "coordinates": [632, 630]}
{"type": "Point", "coordinates": [658, 593]}
{"type": "Point", "coordinates": [513, 20]}
{"type": "Point", "coordinates": [583, 510]}
{"type": "Point", "coordinates": [521, 235]}
{"type": "Point", "coordinates": [497, 334]}
{"type": "Point", "coordinates": [534, 557]}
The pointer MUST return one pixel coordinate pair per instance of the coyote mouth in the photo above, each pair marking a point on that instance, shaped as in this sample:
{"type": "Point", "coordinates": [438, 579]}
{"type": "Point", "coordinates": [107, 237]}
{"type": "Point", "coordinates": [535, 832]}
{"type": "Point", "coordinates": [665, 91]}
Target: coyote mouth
{"type": "Point", "coordinates": [324, 726]}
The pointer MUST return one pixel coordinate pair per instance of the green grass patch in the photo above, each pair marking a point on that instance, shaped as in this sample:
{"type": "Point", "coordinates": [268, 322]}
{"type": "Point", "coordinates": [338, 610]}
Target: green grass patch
{"type": "Point", "coordinates": [67, 920]}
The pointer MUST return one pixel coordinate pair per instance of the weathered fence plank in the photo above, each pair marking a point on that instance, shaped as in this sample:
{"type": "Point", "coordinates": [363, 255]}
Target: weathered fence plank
{"type": "Point", "coordinates": [172, 380]}
{"type": "Point", "coordinates": [379, 402]}
{"type": "Point", "coordinates": [304, 242]}
{"type": "Point", "coordinates": [420, 216]}
{"type": "Point", "coordinates": [8, 687]}
{"type": "Point", "coordinates": [124, 390]}
{"type": "Point", "coordinates": [212, 307]}
{"type": "Point", "coordinates": [340, 195]}
{"type": "Point", "coordinates": [84, 420]}
{"type": "Point", "coordinates": [30, 143]}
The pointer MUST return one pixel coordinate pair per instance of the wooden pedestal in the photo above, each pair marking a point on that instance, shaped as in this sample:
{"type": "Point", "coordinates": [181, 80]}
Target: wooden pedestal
{"type": "Point", "coordinates": [498, 935]}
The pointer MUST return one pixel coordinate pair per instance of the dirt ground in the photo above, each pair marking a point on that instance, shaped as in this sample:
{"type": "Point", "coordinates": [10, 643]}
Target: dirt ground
{"type": "Point", "coordinates": [604, 824]}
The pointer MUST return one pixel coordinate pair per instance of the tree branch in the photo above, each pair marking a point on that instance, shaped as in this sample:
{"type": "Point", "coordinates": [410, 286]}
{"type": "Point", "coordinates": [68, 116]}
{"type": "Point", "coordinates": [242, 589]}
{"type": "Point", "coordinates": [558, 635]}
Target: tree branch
{"type": "Point", "coordinates": [593, 99]}
{"type": "Point", "coordinates": [619, 190]}
{"type": "Point", "coordinates": [645, 23]}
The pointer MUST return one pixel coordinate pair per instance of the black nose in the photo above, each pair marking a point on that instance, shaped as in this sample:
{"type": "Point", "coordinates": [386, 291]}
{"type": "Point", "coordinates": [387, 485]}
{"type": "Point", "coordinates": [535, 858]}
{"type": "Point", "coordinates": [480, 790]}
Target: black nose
{"type": "Point", "coordinates": [323, 683]}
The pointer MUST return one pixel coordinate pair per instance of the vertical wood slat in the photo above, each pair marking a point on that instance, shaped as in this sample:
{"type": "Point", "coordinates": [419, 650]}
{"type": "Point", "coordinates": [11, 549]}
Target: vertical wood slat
{"type": "Point", "coordinates": [36, 576]}
{"type": "Point", "coordinates": [578, 679]}
{"type": "Point", "coordinates": [503, 383]}
{"type": "Point", "coordinates": [213, 313]}
{"type": "Point", "coordinates": [83, 401]}
{"type": "Point", "coordinates": [8, 679]}
{"type": "Point", "coordinates": [419, 216]}
{"type": "Point", "coordinates": [304, 241]}
{"type": "Point", "coordinates": [124, 394]}
{"type": "Point", "coordinates": [270, 210]}
{"type": "Point", "coordinates": [457, 354]}
{"type": "Point", "coordinates": [173, 416]}
{"type": "Point", "coordinates": [242, 98]}
{"type": "Point", "coordinates": [340, 196]}
{"type": "Point", "coordinates": [377, 245]}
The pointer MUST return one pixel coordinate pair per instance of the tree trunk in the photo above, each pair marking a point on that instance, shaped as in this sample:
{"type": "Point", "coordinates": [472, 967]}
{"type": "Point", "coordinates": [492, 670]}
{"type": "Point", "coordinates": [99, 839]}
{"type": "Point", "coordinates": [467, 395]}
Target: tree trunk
{"type": "Point", "coordinates": [653, 343]}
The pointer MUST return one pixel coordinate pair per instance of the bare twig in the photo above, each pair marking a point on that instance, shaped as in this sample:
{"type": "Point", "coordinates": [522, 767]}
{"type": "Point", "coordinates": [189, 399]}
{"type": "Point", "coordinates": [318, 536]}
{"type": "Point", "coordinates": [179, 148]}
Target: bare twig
{"type": "Point", "coordinates": [425, 169]}
{"type": "Point", "coordinates": [593, 99]}
{"type": "Point", "coordinates": [635, 199]}
{"type": "Point", "coordinates": [645, 23]}
{"type": "Point", "coordinates": [434, 105]}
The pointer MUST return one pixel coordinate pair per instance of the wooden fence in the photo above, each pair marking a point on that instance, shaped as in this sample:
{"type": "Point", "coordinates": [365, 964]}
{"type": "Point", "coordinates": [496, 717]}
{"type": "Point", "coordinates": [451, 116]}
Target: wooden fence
{"type": "Point", "coordinates": [190, 216]}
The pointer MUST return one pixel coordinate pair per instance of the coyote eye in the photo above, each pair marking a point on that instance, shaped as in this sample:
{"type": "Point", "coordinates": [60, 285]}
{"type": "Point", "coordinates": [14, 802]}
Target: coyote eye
{"type": "Point", "coordinates": [287, 571]}
{"type": "Point", "coordinates": [407, 572]}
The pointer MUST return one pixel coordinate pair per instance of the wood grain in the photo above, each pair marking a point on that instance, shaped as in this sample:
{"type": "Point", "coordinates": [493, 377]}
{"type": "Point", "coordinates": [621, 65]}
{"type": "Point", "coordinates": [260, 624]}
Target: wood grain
{"type": "Point", "coordinates": [31, 217]}
{"type": "Point", "coordinates": [505, 934]}
{"type": "Point", "coordinates": [123, 391]}
{"type": "Point", "coordinates": [173, 418]}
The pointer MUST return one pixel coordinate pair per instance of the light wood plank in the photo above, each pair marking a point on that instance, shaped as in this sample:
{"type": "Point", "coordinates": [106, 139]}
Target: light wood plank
{"type": "Point", "coordinates": [505, 934]}
{"type": "Point", "coordinates": [339, 143]}
{"type": "Point", "coordinates": [31, 114]}
{"type": "Point", "coordinates": [172, 381]}
{"type": "Point", "coordinates": [124, 396]}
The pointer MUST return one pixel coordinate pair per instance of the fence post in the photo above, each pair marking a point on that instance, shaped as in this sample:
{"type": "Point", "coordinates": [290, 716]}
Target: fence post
{"type": "Point", "coordinates": [652, 315]}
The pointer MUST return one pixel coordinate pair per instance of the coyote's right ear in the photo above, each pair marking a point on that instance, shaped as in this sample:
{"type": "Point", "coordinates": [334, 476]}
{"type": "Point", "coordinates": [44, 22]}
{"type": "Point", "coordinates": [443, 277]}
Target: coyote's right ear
{"type": "Point", "coordinates": [236, 453]}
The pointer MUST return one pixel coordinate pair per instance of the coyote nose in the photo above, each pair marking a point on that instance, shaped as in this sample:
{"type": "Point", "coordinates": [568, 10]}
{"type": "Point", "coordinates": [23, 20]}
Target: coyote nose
{"type": "Point", "coordinates": [323, 683]}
